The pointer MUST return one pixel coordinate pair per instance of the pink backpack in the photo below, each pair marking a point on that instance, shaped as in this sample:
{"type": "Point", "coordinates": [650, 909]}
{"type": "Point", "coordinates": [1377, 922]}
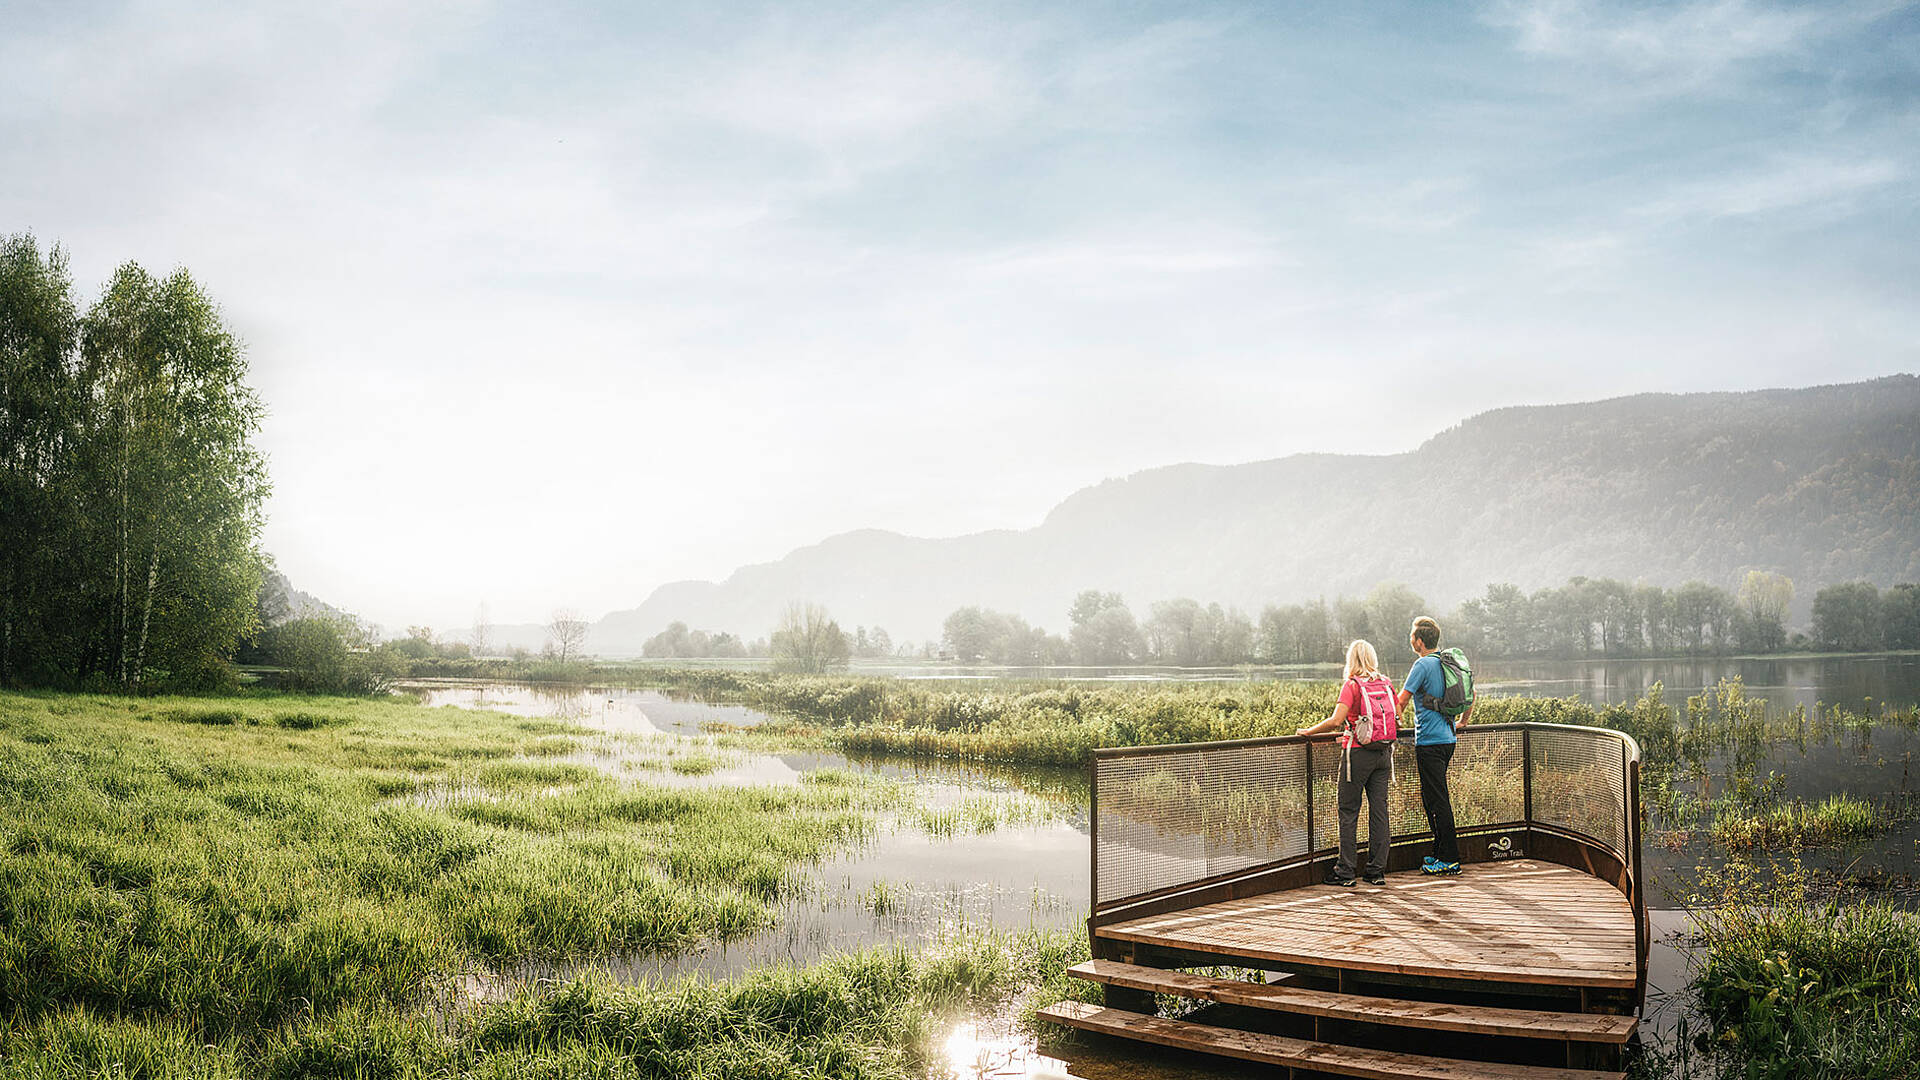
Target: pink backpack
{"type": "Point", "coordinates": [1376, 718]}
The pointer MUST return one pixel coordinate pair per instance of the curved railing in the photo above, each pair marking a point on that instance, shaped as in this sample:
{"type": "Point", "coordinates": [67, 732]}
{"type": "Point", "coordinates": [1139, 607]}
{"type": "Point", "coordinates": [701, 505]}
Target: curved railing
{"type": "Point", "coordinates": [1180, 825]}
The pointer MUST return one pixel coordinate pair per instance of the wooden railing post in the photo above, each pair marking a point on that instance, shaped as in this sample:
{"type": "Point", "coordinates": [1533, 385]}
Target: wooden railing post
{"type": "Point", "coordinates": [1526, 779]}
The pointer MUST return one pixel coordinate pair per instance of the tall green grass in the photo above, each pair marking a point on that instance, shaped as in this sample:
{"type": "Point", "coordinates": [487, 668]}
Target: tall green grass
{"type": "Point", "coordinates": [1833, 820]}
{"type": "Point", "coordinates": [227, 875]}
{"type": "Point", "coordinates": [876, 1014]}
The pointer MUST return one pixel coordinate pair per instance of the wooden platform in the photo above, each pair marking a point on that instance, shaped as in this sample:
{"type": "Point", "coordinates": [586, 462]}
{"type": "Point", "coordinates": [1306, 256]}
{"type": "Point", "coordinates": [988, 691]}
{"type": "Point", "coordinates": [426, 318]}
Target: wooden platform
{"type": "Point", "coordinates": [1515, 922]}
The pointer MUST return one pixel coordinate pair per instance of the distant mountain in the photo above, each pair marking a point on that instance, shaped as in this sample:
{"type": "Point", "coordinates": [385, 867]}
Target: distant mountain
{"type": "Point", "coordinates": [280, 602]}
{"type": "Point", "coordinates": [1822, 484]}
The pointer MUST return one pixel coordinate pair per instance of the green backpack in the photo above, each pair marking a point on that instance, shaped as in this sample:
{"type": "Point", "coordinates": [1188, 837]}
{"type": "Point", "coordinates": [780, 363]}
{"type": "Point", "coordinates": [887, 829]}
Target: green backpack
{"type": "Point", "coordinates": [1457, 679]}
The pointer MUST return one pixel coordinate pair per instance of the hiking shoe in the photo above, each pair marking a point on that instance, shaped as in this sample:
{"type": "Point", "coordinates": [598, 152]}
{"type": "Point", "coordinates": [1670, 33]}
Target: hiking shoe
{"type": "Point", "coordinates": [1335, 877]}
{"type": "Point", "coordinates": [1438, 867]}
{"type": "Point", "coordinates": [1374, 878]}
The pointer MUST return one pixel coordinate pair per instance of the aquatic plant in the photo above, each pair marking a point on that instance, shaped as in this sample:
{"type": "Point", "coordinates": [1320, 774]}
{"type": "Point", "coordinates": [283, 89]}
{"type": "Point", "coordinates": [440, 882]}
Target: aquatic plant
{"type": "Point", "coordinates": [1794, 989]}
{"type": "Point", "coordinates": [1835, 819]}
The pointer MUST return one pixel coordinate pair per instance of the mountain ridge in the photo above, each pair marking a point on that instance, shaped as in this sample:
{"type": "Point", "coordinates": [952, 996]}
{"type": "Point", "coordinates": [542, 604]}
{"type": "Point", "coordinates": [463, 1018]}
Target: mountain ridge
{"type": "Point", "coordinates": [1821, 483]}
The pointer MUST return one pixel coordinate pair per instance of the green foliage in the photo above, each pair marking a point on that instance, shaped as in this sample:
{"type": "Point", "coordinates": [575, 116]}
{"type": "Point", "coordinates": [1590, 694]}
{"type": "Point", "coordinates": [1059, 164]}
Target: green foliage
{"type": "Point", "coordinates": [808, 639]}
{"type": "Point", "coordinates": [1799, 989]}
{"type": "Point", "coordinates": [975, 634]}
{"type": "Point", "coordinates": [1034, 722]}
{"type": "Point", "coordinates": [1848, 618]}
{"type": "Point", "coordinates": [1900, 616]}
{"type": "Point", "coordinates": [676, 641]}
{"type": "Point", "coordinates": [131, 487]}
{"type": "Point", "coordinates": [320, 655]}
{"type": "Point", "coordinates": [1607, 617]}
{"type": "Point", "coordinates": [1835, 819]}
{"type": "Point", "coordinates": [1104, 631]}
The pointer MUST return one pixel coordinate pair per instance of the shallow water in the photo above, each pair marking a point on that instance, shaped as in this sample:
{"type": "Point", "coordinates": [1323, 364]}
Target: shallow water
{"type": "Point", "coordinates": [905, 886]}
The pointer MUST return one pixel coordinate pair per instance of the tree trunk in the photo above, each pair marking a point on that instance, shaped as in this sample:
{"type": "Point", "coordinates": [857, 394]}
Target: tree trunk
{"type": "Point", "coordinates": [120, 556]}
{"type": "Point", "coordinates": [146, 615]}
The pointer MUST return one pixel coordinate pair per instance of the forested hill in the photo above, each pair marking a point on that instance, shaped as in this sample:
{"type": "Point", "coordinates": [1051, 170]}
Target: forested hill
{"type": "Point", "coordinates": [1822, 484]}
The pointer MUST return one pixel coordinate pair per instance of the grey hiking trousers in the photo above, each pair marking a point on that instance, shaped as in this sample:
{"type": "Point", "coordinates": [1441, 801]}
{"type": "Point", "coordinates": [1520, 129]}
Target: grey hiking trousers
{"type": "Point", "coordinates": [1370, 771]}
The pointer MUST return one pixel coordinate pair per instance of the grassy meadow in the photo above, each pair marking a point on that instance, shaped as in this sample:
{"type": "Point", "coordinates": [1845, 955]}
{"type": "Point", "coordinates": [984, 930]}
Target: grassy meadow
{"type": "Point", "coordinates": [288, 886]}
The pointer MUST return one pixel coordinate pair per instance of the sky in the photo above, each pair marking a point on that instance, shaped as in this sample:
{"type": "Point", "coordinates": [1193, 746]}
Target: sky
{"type": "Point", "coordinates": [550, 304]}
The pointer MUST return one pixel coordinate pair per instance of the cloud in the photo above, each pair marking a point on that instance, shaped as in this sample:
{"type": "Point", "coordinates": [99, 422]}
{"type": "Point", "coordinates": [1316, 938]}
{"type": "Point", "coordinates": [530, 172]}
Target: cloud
{"type": "Point", "coordinates": [647, 289]}
{"type": "Point", "coordinates": [1663, 49]}
{"type": "Point", "coordinates": [1784, 185]}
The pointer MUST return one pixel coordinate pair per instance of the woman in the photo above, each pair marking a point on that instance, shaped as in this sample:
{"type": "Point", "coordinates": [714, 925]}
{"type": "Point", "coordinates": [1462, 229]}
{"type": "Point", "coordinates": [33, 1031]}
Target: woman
{"type": "Point", "coordinates": [1368, 721]}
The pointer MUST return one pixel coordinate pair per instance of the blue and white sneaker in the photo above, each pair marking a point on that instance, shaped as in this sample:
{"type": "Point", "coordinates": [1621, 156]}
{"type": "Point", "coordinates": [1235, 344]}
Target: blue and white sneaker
{"type": "Point", "coordinates": [1435, 866]}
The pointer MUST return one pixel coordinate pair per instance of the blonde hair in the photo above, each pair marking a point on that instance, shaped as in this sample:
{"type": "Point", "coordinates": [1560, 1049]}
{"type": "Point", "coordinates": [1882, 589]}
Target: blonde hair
{"type": "Point", "coordinates": [1362, 661]}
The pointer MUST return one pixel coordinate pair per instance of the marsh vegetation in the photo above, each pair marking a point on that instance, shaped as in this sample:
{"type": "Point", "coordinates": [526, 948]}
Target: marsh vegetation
{"type": "Point", "coordinates": [310, 886]}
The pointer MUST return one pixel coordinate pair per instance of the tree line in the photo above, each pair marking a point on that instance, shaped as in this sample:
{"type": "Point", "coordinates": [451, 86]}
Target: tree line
{"type": "Point", "coordinates": [130, 489]}
{"type": "Point", "coordinates": [1585, 618]}
{"type": "Point", "coordinates": [805, 638]}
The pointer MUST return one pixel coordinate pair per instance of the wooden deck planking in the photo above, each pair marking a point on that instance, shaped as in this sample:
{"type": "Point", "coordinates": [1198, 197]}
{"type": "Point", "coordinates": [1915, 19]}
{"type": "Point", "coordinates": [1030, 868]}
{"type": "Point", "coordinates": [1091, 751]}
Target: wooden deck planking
{"type": "Point", "coordinates": [1520, 921]}
{"type": "Point", "coordinates": [1399, 1012]}
{"type": "Point", "coordinates": [1297, 1053]}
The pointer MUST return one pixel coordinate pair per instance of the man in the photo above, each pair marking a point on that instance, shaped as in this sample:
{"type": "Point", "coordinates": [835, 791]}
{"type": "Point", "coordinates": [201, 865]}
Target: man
{"type": "Point", "coordinates": [1433, 742]}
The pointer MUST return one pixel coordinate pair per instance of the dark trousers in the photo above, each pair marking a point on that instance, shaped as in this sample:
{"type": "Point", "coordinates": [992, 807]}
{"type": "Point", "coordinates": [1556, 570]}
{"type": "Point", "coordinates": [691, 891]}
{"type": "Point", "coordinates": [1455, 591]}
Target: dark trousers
{"type": "Point", "coordinates": [1369, 772]}
{"type": "Point", "coordinates": [1436, 800]}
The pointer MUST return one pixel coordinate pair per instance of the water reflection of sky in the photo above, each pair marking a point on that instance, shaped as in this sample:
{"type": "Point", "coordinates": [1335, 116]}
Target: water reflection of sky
{"type": "Point", "coordinates": [1848, 681]}
{"type": "Point", "coordinates": [904, 886]}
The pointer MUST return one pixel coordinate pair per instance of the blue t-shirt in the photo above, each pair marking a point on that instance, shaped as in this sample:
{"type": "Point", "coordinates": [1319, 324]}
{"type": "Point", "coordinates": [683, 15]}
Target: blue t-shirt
{"type": "Point", "coordinates": [1430, 728]}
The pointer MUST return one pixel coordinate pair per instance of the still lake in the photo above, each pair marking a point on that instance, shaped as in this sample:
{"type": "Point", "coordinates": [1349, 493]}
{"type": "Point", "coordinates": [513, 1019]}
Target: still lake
{"type": "Point", "coordinates": [1893, 678]}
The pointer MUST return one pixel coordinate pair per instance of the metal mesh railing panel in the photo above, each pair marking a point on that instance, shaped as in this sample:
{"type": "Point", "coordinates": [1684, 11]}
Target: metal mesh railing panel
{"type": "Point", "coordinates": [1580, 783]}
{"type": "Point", "coordinates": [1172, 817]}
{"type": "Point", "coordinates": [1486, 779]}
{"type": "Point", "coordinates": [1403, 797]}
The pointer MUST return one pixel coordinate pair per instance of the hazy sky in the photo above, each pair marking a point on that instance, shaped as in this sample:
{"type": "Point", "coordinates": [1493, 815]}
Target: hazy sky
{"type": "Point", "coordinates": [552, 303]}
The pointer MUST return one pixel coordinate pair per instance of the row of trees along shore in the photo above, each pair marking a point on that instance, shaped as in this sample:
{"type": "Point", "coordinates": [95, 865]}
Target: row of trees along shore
{"type": "Point", "coordinates": [130, 491]}
{"type": "Point", "coordinates": [1585, 618]}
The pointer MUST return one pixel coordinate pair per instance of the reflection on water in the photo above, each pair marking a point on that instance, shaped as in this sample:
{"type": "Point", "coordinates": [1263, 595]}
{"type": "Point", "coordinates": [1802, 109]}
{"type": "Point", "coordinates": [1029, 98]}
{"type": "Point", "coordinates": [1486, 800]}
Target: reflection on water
{"type": "Point", "coordinates": [904, 886]}
{"type": "Point", "coordinates": [1849, 681]}
{"type": "Point", "coordinates": [1878, 764]}
{"type": "Point", "coordinates": [993, 1048]}
{"type": "Point", "coordinates": [1838, 680]}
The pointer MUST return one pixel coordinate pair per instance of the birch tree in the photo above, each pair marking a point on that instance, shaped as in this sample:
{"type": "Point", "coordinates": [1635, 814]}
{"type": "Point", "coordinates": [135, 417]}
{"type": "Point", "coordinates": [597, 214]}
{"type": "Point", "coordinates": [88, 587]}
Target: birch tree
{"type": "Point", "coordinates": [179, 485]}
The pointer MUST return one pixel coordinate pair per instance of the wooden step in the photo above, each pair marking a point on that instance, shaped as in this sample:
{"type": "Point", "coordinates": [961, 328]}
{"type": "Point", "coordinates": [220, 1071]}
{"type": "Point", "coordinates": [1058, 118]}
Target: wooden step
{"type": "Point", "coordinates": [1432, 1015]}
{"type": "Point", "coordinates": [1297, 1053]}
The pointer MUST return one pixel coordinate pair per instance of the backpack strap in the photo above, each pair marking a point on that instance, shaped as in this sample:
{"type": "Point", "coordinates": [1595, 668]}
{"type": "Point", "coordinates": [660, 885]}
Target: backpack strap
{"type": "Point", "coordinates": [1431, 701]}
